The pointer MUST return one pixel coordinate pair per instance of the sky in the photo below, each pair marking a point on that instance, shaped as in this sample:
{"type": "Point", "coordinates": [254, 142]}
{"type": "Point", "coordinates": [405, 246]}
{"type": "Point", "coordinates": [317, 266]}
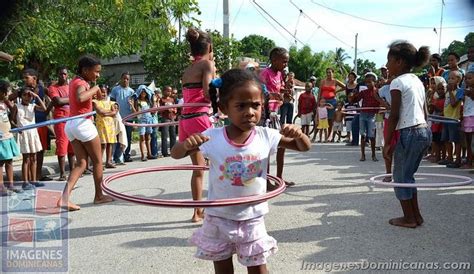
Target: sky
{"type": "Point", "coordinates": [339, 30]}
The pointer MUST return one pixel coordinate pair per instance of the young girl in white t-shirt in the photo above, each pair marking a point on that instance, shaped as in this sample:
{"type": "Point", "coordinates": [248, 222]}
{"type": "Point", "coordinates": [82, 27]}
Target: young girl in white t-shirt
{"type": "Point", "coordinates": [408, 116]}
{"type": "Point", "coordinates": [238, 154]}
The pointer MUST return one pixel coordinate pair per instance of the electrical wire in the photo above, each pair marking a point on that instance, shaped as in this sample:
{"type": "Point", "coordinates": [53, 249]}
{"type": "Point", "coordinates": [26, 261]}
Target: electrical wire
{"type": "Point", "coordinates": [319, 26]}
{"type": "Point", "coordinates": [276, 21]}
{"type": "Point", "coordinates": [384, 23]}
{"type": "Point", "coordinates": [268, 21]}
{"type": "Point", "coordinates": [238, 12]}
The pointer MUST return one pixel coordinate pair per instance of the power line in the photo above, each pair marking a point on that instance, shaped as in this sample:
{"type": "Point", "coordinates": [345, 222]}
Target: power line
{"type": "Point", "coordinates": [238, 12]}
{"type": "Point", "coordinates": [276, 21]}
{"type": "Point", "coordinates": [384, 23]}
{"type": "Point", "coordinates": [268, 21]}
{"type": "Point", "coordinates": [319, 26]}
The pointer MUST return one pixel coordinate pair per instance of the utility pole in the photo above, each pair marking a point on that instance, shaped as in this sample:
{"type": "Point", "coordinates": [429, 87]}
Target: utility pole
{"type": "Point", "coordinates": [226, 19]}
{"type": "Point", "coordinates": [441, 26]}
{"type": "Point", "coordinates": [226, 28]}
{"type": "Point", "coordinates": [355, 54]}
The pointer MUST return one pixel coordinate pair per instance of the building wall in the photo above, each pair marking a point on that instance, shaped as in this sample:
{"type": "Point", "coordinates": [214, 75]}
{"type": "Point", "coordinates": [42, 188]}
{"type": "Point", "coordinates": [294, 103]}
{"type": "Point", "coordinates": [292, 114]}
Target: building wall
{"type": "Point", "coordinates": [112, 73]}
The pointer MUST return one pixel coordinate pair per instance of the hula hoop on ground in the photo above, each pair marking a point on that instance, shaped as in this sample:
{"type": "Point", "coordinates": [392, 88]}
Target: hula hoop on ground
{"type": "Point", "coordinates": [186, 203]}
{"type": "Point", "coordinates": [126, 119]}
{"type": "Point", "coordinates": [442, 119]}
{"type": "Point", "coordinates": [465, 181]}
{"type": "Point", "coordinates": [51, 122]}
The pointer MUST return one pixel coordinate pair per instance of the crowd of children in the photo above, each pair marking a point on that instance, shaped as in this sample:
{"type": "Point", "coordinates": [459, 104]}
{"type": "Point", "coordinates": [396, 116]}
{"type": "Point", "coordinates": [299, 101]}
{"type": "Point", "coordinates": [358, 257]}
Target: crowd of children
{"type": "Point", "coordinates": [20, 107]}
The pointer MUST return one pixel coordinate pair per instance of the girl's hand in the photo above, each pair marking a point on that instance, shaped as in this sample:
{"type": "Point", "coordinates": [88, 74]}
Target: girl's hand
{"type": "Point", "coordinates": [194, 141]}
{"type": "Point", "coordinates": [291, 131]}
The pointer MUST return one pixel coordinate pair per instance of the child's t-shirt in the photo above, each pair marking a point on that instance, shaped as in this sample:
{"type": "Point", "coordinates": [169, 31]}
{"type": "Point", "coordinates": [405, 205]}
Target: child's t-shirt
{"type": "Point", "coordinates": [273, 80]}
{"type": "Point", "coordinates": [322, 113]}
{"type": "Point", "coordinates": [239, 170]}
{"type": "Point", "coordinates": [412, 94]}
{"type": "Point", "coordinates": [306, 103]}
{"type": "Point", "coordinates": [449, 110]}
{"type": "Point", "coordinates": [468, 109]}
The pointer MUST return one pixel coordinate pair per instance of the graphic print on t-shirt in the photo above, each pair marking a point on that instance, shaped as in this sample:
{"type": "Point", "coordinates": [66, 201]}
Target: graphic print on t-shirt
{"type": "Point", "coordinates": [241, 169]}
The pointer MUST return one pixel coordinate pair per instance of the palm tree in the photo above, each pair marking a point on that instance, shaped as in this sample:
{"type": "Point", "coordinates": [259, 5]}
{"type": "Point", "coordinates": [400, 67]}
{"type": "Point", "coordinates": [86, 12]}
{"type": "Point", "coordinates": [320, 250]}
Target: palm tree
{"type": "Point", "coordinates": [339, 59]}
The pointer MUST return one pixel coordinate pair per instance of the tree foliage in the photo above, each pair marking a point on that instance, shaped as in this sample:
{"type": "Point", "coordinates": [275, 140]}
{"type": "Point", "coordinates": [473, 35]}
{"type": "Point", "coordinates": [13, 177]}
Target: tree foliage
{"type": "Point", "coordinates": [340, 58]}
{"type": "Point", "coordinates": [304, 63]}
{"type": "Point", "coordinates": [256, 46]}
{"type": "Point", "coordinates": [46, 33]}
{"type": "Point", "coordinates": [226, 50]}
{"type": "Point", "coordinates": [363, 65]}
{"type": "Point", "coordinates": [458, 47]}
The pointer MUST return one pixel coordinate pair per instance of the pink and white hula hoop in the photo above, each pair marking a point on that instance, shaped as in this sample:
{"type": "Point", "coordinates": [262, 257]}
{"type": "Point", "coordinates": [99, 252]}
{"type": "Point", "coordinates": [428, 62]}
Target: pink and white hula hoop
{"type": "Point", "coordinates": [443, 119]}
{"type": "Point", "coordinates": [126, 119]}
{"type": "Point", "coordinates": [464, 181]}
{"type": "Point", "coordinates": [186, 203]}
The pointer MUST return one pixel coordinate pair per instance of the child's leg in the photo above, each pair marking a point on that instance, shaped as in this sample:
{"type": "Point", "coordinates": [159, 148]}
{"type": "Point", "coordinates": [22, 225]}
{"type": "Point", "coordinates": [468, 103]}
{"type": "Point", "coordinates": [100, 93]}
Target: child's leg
{"type": "Point", "coordinates": [326, 137]}
{"type": "Point", "coordinates": [33, 167]}
{"type": "Point", "coordinates": [79, 167]}
{"type": "Point", "coordinates": [435, 151]}
{"type": "Point", "coordinates": [108, 154]}
{"type": "Point", "coordinates": [224, 266]}
{"type": "Point", "coordinates": [147, 144]}
{"type": "Point", "coordinates": [457, 152]}
{"type": "Point", "coordinates": [372, 146]}
{"type": "Point", "coordinates": [25, 167]}
{"type": "Point", "coordinates": [92, 149]}
{"type": "Point", "coordinates": [102, 150]}
{"type": "Point", "coordinates": [449, 150]}
{"type": "Point", "coordinates": [416, 209]}
{"type": "Point", "coordinates": [362, 148]}
{"type": "Point", "coordinates": [258, 269]}
{"type": "Point", "coordinates": [469, 149]}
{"type": "Point", "coordinates": [196, 184]}
{"type": "Point", "coordinates": [2, 188]}
{"type": "Point", "coordinates": [142, 146]}
{"type": "Point", "coordinates": [9, 172]}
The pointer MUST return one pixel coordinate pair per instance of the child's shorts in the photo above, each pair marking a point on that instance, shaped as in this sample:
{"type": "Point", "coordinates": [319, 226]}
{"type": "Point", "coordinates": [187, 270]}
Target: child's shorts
{"type": "Point", "coordinates": [348, 126]}
{"type": "Point", "coordinates": [468, 124]}
{"type": "Point", "coordinates": [218, 239]}
{"type": "Point", "coordinates": [337, 126]}
{"type": "Point", "coordinates": [450, 133]}
{"type": "Point", "coordinates": [306, 119]}
{"type": "Point", "coordinates": [188, 127]}
{"type": "Point", "coordinates": [367, 124]}
{"type": "Point", "coordinates": [81, 129]}
{"type": "Point", "coordinates": [323, 124]}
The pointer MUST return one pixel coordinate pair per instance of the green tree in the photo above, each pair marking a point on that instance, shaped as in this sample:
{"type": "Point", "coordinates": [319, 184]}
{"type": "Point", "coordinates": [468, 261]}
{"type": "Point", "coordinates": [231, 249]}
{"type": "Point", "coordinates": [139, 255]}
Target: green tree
{"type": "Point", "coordinates": [340, 57]}
{"type": "Point", "coordinates": [304, 63]}
{"type": "Point", "coordinates": [256, 46]}
{"type": "Point", "coordinates": [46, 33]}
{"type": "Point", "coordinates": [458, 47]}
{"type": "Point", "coordinates": [363, 65]}
{"type": "Point", "coordinates": [226, 50]}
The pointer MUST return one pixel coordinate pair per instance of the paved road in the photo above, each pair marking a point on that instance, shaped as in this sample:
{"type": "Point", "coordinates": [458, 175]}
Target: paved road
{"type": "Point", "coordinates": [332, 215]}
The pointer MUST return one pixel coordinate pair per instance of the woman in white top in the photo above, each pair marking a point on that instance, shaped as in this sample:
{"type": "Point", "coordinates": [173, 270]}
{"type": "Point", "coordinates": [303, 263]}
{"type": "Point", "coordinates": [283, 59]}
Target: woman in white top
{"type": "Point", "coordinates": [408, 115]}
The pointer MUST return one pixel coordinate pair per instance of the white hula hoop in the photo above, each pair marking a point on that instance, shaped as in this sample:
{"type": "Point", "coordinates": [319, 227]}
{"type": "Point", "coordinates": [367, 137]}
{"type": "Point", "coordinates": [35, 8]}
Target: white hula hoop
{"type": "Point", "coordinates": [465, 181]}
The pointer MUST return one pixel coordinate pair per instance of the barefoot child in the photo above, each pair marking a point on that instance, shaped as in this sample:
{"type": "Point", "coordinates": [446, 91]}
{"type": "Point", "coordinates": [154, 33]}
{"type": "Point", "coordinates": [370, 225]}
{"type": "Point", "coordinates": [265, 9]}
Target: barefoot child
{"type": "Point", "coordinates": [306, 107]}
{"type": "Point", "coordinates": [337, 126]}
{"type": "Point", "coordinates": [8, 146]}
{"type": "Point", "coordinates": [408, 115]}
{"type": "Point", "coordinates": [29, 140]}
{"type": "Point", "coordinates": [106, 111]}
{"type": "Point", "coordinates": [322, 118]}
{"type": "Point", "coordinates": [82, 133]}
{"type": "Point", "coordinates": [196, 79]}
{"type": "Point", "coordinates": [244, 146]}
